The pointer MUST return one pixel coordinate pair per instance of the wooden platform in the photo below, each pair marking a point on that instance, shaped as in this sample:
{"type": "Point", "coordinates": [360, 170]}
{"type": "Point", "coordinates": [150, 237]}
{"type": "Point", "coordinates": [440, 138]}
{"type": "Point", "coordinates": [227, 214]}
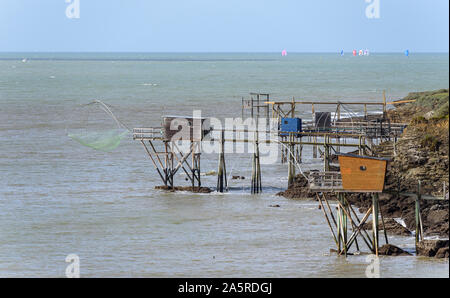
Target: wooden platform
{"type": "Point", "coordinates": [325, 182]}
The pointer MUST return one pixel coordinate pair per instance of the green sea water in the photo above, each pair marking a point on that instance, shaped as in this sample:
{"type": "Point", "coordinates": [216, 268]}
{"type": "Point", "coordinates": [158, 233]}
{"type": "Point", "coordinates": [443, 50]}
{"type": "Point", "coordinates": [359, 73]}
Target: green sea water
{"type": "Point", "coordinates": [58, 197]}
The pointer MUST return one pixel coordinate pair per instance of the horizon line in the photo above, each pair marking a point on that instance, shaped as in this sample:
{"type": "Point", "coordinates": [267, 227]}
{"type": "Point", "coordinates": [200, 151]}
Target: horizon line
{"type": "Point", "coordinates": [214, 52]}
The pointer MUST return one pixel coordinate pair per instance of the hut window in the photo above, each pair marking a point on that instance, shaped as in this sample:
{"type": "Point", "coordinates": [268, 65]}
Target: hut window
{"type": "Point", "coordinates": [362, 168]}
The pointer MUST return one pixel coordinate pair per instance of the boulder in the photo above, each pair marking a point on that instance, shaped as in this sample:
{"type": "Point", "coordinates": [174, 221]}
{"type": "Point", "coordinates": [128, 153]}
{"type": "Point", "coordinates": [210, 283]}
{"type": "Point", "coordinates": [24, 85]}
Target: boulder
{"type": "Point", "coordinates": [392, 250]}
{"type": "Point", "coordinates": [430, 248]}
{"type": "Point", "coordinates": [442, 253]}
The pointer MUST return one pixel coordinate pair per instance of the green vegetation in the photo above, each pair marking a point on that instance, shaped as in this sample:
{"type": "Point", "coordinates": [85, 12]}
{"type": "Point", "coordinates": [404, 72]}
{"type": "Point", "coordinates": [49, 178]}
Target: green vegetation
{"type": "Point", "coordinates": [442, 111]}
{"type": "Point", "coordinates": [419, 120]}
{"type": "Point", "coordinates": [429, 118]}
{"type": "Point", "coordinates": [432, 100]}
{"type": "Point", "coordinates": [431, 142]}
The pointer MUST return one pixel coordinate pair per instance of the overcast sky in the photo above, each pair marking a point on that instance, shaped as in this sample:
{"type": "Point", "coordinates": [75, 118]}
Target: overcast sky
{"type": "Point", "coordinates": [224, 26]}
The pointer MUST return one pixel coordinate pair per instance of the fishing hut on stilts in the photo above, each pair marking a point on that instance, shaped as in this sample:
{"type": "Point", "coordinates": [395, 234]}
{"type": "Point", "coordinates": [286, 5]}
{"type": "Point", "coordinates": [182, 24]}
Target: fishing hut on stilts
{"type": "Point", "coordinates": [358, 174]}
{"type": "Point", "coordinates": [172, 158]}
{"type": "Point", "coordinates": [327, 133]}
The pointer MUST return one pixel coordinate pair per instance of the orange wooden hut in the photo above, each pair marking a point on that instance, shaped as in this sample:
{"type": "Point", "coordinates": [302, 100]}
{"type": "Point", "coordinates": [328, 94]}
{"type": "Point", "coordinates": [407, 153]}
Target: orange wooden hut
{"type": "Point", "coordinates": [362, 173]}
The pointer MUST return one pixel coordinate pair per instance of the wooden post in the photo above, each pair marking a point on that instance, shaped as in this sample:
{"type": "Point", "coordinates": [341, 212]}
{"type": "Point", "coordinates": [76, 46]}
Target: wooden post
{"type": "Point", "coordinates": [256, 169]}
{"type": "Point", "coordinates": [339, 118]}
{"type": "Point", "coordinates": [314, 147]}
{"type": "Point", "coordinates": [382, 222]}
{"type": "Point", "coordinates": [291, 164]}
{"type": "Point", "coordinates": [293, 108]}
{"type": "Point", "coordinates": [360, 147]}
{"type": "Point", "coordinates": [258, 105]}
{"type": "Point", "coordinates": [193, 166]}
{"type": "Point", "coordinates": [168, 181]}
{"type": "Point", "coordinates": [384, 104]}
{"type": "Point", "coordinates": [221, 173]}
{"type": "Point", "coordinates": [326, 154]}
{"type": "Point", "coordinates": [300, 152]}
{"type": "Point", "coordinates": [343, 222]}
{"type": "Point", "coordinates": [195, 146]}
{"type": "Point", "coordinates": [358, 223]}
{"type": "Point", "coordinates": [338, 228]}
{"type": "Point", "coordinates": [328, 220]}
{"type": "Point", "coordinates": [417, 215]}
{"type": "Point", "coordinates": [375, 222]}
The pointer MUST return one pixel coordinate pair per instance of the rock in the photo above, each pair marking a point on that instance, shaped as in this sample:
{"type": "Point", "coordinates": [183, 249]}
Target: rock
{"type": "Point", "coordinates": [237, 178]}
{"type": "Point", "coordinates": [429, 115]}
{"type": "Point", "coordinates": [430, 248]}
{"type": "Point", "coordinates": [442, 253]}
{"type": "Point", "coordinates": [275, 206]}
{"type": "Point", "coordinates": [299, 189]}
{"type": "Point", "coordinates": [392, 250]}
{"type": "Point", "coordinates": [435, 216]}
{"type": "Point", "coordinates": [335, 251]}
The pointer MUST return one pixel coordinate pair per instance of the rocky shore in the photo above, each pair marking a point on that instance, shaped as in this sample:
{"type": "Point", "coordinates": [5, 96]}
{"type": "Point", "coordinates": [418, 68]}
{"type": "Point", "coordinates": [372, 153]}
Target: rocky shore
{"type": "Point", "coordinates": [421, 154]}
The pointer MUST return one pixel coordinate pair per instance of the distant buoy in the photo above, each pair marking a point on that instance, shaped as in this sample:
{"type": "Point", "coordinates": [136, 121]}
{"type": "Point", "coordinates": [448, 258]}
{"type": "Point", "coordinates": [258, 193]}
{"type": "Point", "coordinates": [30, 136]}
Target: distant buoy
{"type": "Point", "coordinates": [284, 53]}
{"type": "Point", "coordinates": [24, 60]}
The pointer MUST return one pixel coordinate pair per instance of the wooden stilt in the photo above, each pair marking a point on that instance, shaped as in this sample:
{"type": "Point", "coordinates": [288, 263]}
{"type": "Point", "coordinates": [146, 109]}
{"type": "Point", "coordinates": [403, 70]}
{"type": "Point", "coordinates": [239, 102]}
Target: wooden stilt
{"type": "Point", "coordinates": [326, 155]}
{"type": "Point", "coordinates": [328, 221]}
{"type": "Point", "coordinates": [345, 206]}
{"type": "Point", "coordinates": [343, 222]}
{"type": "Point", "coordinates": [418, 236]}
{"type": "Point", "coordinates": [291, 164]}
{"type": "Point", "coordinates": [315, 147]}
{"type": "Point", "coordinates": [256, 169]}
{"type": "Point", "coordinates": [382, 222]}
{"type": "Point", "coordinates": [360, 226]}
{"type": "Point", "coordinates": [358, 223]}
{"type": "Point", "coordinates": [375, 222]}
{"type": "Point", "coordinates": [221, 173]}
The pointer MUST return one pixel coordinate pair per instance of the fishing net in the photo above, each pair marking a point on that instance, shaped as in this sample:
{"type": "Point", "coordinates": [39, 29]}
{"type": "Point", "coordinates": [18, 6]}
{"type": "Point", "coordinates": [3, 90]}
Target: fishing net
{"type": "Point", "coordinates": [103, 141]}
{"type": "Point", "coordinates": [95, 126]}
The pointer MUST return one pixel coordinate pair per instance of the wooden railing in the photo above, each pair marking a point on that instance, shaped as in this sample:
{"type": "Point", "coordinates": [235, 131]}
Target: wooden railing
{"type": "Point", "coordinates": [325, 181]}
{"type": "Point", "coordinates": [148, 133]}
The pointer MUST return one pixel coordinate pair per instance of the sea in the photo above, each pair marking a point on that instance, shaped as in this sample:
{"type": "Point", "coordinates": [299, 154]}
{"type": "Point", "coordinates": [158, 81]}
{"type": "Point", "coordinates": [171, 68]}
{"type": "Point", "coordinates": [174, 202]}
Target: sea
{"type": "Point", "coordinates": [59, 198]}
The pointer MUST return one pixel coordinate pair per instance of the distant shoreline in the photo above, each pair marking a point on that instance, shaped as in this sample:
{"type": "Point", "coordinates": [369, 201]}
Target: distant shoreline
{"type": "Point", "coordinates": [183, 56]}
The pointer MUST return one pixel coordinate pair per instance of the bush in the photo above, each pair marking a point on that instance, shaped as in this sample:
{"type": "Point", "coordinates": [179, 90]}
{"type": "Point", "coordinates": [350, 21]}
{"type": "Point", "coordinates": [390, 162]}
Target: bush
{"type": "Point", "coordinates": [442, 112]}
{"type": "Point", "coordinates": [430, 99]}
{"type": "Point", "coordinates": [419, 120]}
{"type": "Point", "coordinates": [431, 142]}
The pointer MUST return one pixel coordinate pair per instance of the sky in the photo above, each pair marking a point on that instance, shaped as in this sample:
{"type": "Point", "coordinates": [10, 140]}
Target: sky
{"type": "Point", "coordinates": [224, 26]}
